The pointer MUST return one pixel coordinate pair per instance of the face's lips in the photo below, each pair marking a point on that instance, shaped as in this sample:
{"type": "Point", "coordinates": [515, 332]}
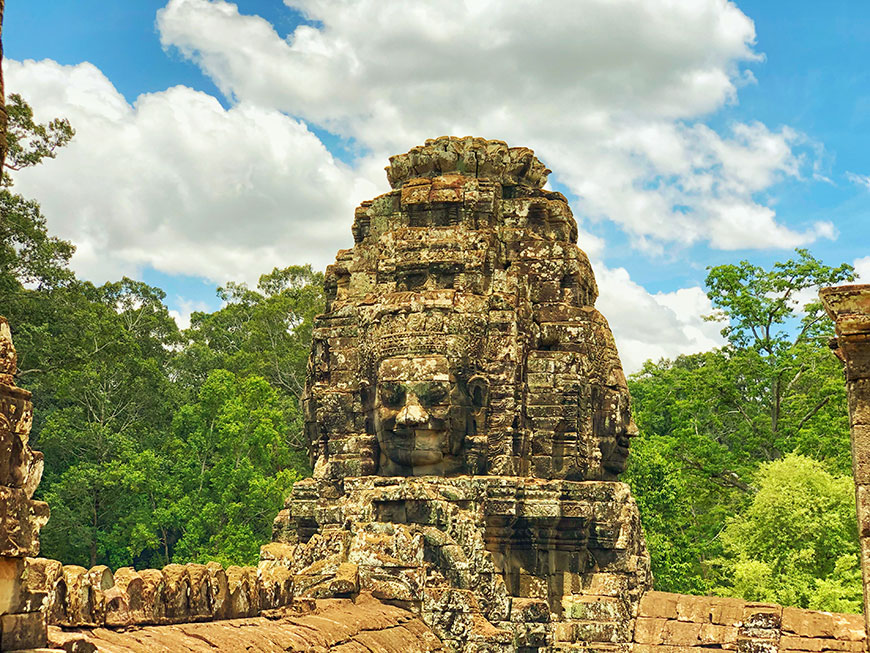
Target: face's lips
{"type": "Point", "coordinates": [420, 436]}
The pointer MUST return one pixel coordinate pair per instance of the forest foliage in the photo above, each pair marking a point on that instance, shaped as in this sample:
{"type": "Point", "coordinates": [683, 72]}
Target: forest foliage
{"type": "Point", "coordinates": [743, 468]}
{"type": "Point", "coordinates": [174, 445]}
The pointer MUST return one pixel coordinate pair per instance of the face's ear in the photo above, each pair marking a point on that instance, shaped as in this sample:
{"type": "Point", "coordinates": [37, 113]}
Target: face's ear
{"type": "Point", "coordinates": [478, 390]}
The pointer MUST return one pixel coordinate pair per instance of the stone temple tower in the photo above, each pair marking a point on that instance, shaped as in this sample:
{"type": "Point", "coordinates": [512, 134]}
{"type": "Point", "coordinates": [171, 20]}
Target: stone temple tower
{"type": "Point", "coordinates": [468, 416]}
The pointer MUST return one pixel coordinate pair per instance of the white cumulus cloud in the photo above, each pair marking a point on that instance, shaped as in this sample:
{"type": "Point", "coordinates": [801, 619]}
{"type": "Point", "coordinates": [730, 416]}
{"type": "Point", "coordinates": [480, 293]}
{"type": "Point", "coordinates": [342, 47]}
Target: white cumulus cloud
{"type": "Point", "coordinates": [661, 325]}
{"type": "Point", "coordinates": [178, 183]}
{"type": "Point", "coordinates": [607, 93]}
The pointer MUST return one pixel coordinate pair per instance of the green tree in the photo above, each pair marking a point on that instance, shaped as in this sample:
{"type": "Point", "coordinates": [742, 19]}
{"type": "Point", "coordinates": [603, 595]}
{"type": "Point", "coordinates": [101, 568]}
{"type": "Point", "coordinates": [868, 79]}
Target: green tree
{"type": "Point", "coordinates": [103, 394]}
{"type": "Point", "coordinates": [237, 465]}
{"type": "Point", "coordinates": [264, 332]}
{"type": "Point", "coordinates": [29, 142]}
{"type": "Point", "coordinates": [796, 543]}
{"type": "Point", "coordinates": [708, 420]}
{"type": "Point", "coordinates": [28, 255]}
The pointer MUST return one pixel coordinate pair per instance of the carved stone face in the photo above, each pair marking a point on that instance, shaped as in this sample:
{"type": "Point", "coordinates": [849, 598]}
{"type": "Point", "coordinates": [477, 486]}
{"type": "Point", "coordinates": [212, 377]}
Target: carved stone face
{"type": "Point", "coordinates": [420, 417]}
{"type": "Point", "coordinates": [615, 430]}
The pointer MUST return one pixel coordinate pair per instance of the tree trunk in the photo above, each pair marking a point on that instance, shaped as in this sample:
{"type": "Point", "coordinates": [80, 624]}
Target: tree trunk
{"type": "Point", "coordinates": [93, 548]}
{"type": "Point", "coordinates": [3, 118]}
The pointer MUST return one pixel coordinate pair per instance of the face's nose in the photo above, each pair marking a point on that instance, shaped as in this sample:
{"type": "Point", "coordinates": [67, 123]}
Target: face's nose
{"type": "Point", "coordinates": [412, 413]}
{"type": "Point", "coordinates": [632, 431]}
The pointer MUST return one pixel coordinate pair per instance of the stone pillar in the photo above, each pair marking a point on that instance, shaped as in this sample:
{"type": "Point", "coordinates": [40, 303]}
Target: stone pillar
{"type": "Point", "coordinates": [849, 307]}
{"type": "Point", "coordinates": [22, 625]}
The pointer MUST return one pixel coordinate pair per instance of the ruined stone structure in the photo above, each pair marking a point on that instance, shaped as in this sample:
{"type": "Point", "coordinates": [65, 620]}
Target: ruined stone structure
{"type": "Point", "coordinates": [468, 416]}
{"type": "Point", "coordinates": [468, 420]}
{"type": "Point", "coordinates": [22, 625]}
{"type": "Point", "coordinates": [466, 307]}
{"type": "Point", "coordinates": [849, 307]}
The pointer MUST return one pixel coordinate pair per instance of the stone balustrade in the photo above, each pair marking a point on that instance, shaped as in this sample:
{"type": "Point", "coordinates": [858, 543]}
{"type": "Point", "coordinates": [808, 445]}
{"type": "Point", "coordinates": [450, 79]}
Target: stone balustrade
{"type": "Point", "coordinates": [72, 597]}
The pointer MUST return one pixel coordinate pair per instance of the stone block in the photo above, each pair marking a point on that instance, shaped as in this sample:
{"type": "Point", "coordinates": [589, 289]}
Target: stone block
{"type": "Point", "coordinates": [859, 401]}
{"type": "Point", "coordinates": [757, 645]}
{"type": "Point", "coordinates": [395, 584]}
{"type": "Point", "coordinates": [199, 598]}
{"type": "Point", "coordinates": [727, 612]}
{"type": "Point", "coordinates": [694, 608]}
{"type": "Point", "coordinates": [22, 631]}
{"type": "Point", "coordinates": [660, 604]}
{"type": "Point", "coordinates": [717, 635]}
{"type": "Point", "coordinates": [100, 579]}
{"type": "Point", "coordinates": [11, 586]}
{"type": "Point", "coordinates": [761, 620]}
{"type": "Point", "coordinates": [346, 580]}
{"type": "Point", "coordinates": [219, 591]}
{"type": "Point", "coordinates": [807, 623]}
{"type": "Point", "coordinates": [449, 600]}
{"type": "Point", "coordinates": [529, 611]}
{"type": "Point", "coordinates": [594, 608]}
{"type": "Point", "coordinates": [601, 631]}
{"type": "Point", "coordinates": [532, 587]}
{"type": "Point", "coordinates": [565, 631]}
{"type": "Point", "coordinates": [116, 606]}
{"type": "Point", "coordinates": [79, 597]}
{"type": "Point", "coordinates": [649, 630]}
{"type": "Point", "coordinates": [848, 627]}
{"type": "Point", "coordinates": [279, 552]}
{"type": "Point", "coordinates": [14, 452]}
{"type": "Point", "coordinates": [20, 522]}
{"type": "Point", "coordinates": [861, 453]}
{"type": "Point", "coordinates": [176, 590]}
{"type": "Point", "coordinates": [862, 497]}
{"type": "Point", "coordinates": [794, 643]}
{"type": "Point", "coordinates": [239, 604]}
{"type": "Point", "coordinates": [153, 604]}
{"type": "Point", "coordinates": [130, 583]}
{"type": "Point", "coordinates": [681, 633]}
{"type": "Point", "coordinates": [276, 586]}
{"type": "Point", "coordinates": [244, 597]}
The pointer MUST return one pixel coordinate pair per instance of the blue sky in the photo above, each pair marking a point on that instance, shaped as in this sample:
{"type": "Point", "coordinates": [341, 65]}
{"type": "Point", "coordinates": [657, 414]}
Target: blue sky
{"type": "Point", "coordinates": [217, 140]}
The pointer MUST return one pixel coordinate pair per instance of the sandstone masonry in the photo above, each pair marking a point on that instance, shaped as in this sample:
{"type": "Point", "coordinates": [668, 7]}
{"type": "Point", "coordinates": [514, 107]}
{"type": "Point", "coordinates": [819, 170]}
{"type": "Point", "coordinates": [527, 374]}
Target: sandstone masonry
{"type": "Point", "coordinates": [849, 307]}
{"type": "Point", "coordinates": [22, 625]}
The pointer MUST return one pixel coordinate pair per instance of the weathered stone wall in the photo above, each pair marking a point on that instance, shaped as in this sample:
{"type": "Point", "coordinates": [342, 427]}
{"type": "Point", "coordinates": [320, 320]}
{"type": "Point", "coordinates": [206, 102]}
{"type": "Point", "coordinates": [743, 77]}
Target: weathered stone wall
{"type": "Point", "coordinates": [490, 563]}
{"type": "Point", "coordinates": [679, 623]}
{"type": "Point", "coordinates": [21, 518]}
{"type": "Point", "coordinates": [666, 623]}
{"type": "Point", "coordinates": [849, 307]}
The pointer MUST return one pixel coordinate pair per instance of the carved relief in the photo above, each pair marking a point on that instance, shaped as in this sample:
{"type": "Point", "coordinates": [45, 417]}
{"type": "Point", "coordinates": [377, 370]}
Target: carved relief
{"type": "Point", "coordinates": [468, 258]}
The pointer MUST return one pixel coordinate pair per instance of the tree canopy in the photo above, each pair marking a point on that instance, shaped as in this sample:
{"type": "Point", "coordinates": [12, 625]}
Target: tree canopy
{"type": "Point", "coordinates": [710, 422]}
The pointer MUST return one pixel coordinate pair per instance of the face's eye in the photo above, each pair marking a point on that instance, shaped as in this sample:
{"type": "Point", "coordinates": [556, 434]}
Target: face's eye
{"type": "Point", "coordinates": [431, 394]}
{"type": "Point", "coordinates": [392, 394]}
